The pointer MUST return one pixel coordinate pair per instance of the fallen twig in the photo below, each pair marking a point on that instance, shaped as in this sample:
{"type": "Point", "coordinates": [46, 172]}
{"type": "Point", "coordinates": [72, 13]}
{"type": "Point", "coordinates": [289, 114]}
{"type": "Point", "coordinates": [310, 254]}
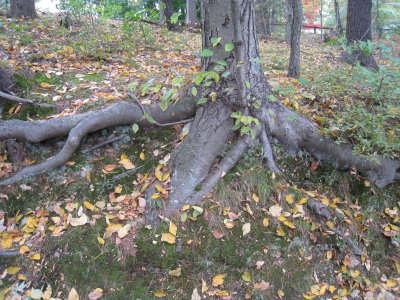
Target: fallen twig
{"type": "Point", "coordinates": [9, 97]}
{"type": "Point", "coordinates": [109, 141]}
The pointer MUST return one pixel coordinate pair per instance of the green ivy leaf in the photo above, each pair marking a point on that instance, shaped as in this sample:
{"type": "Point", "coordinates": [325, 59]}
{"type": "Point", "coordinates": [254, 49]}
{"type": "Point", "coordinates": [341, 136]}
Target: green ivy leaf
{"type": "Point", "coordinates": [229, 47]}
{"type": "Point", "coordinates": [206, 53]}
{"type": "Point", "coordinates": [201, 101]}
{"type": "Point", "coordinates": [215, 41]}
{"type": "Point", "coordinates": [194, 91]}
{"type": "Point", "coordinates": [149, 118]}
{"type": "Point", "coordinates": [177, 81]}
{"type": "Point", "coordinates": [135, 127]}
{"type": "Point", "coordinates": [248, 84]}
{"type": "Point", "coordinates": [164, 105]}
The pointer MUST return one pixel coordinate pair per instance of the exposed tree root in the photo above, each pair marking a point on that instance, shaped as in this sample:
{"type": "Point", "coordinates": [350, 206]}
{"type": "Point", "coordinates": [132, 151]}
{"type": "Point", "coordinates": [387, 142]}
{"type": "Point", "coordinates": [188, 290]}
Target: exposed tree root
{"type": "Point", "coordinates": [8, 97]}
{"type": "Point", "coordinates": [78, 126]}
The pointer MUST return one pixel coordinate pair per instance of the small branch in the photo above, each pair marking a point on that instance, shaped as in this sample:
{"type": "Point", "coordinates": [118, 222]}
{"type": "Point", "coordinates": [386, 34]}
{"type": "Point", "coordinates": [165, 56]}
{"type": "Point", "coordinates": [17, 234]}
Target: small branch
{"type": "Point", "coordinates": [322, 210]}
{"type": "Point", "coordinates": [109, 141]}
{"type": "Point", "coordinates": [22, 100]}
{"type": "Point", "coordinates": [9, 253]}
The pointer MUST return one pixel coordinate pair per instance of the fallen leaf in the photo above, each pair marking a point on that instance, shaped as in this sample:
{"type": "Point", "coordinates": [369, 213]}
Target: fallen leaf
{"type": "Point", "coordinates": [82, 220]}
{"type": "Point", "coordinates": [217, 234]}
{"type": "Point", "coordinates": [175, 273]}
{"type": "Point", "coordinates": [73, 294]}
{"type": "Point", "coordinates": [259, 264]}
{"type": "Point", "coordinates": [246, 228]}
{"type": "Point", "coordinates": [218, 280]}
{"type": "Point", "coordinates": [13, 270]}
{"type": "Point", "coordinates": [35, 256]}
{"type": "Point", "coordinates": [222, 293]}
{"type": "Point", "coordinates": [96, 294]}
{"type": "Point", "coordinates": [255, 197]}
{"type": "Point", "coordinates": [172, 228]}
{"type": "Point", "coordinates": [289, 198]}
{"type": "Point", "coordinates": [266, 222]}
{"type": "Point", "coordinates": [111, 228]}
{"type": "Point", "coordinates": [159, 294]}
{"type": "Point", "coordinates": [36, 294]}
{"type": "Point", "coordinates": [124, 230]}
{"type": "Point", "coordinates": [89, 205]}
{"type": "Point", "coordinates": [275, 210]}
{"type": "Point", "coordinates": [168, 238]}
{"type": "Point", "coordinates": [24, 249]}
{"type": "Point", "coordinates": [262, 286]}
{"type": "Point", "coordinates": [101, 240]}
{"type": "Point", "coordinates": [246, 276]}
{"type": "Point", "coordinates": [195, 295]}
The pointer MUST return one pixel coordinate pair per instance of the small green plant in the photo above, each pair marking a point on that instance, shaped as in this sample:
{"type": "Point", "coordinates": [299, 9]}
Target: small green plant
{"type": "Point", "coordinates": [245, 123]}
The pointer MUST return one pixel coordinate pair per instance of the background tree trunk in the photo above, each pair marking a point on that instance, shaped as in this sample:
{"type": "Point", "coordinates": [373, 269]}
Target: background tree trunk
{"type": "Point", "coordinates": [339, 28]}
{"type": "Point", "coordinates": [162, 11]}
{"type": "Point", "coordinates": [191, 16]}
{"type": "Point", "coordinates": [169, 11]}
{"type": "Point", "coordinates": [23, 8]}
{"type": "Point", "coordinates": [295, 34]}
{"type": "Point", "coordinates": [359, 29]}
{"type": "Point", "coordinates": [289, 20]}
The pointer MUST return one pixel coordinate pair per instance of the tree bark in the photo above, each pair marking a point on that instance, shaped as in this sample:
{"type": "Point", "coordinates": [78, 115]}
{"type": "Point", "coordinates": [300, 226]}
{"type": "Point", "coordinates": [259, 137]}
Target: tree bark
{"type": "Point", "coordinates": [289, 20]}
{"type": "Point", "coordinates": [162, 11]}
{"type": "Point", "coordinates": [168, 12]}
{"type": "Point", "coordinates": [359, 30]}
{"type": "Point", "coordinates": [23, 8]}
{"type": "Point", "coordinates": [339, 28]}
{"type": "Point", "coordinates": [295, 29]}
{"type": "Point", "coordinates": [191, 16]}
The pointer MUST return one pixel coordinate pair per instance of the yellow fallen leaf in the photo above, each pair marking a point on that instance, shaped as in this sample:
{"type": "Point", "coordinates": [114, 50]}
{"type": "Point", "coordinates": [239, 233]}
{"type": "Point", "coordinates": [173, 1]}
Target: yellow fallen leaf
{"type": "Point", "coordinates": [329, 254]}
{"type": "Point", "coordinates": [185, 207]}
{"type": "Point", "coordinates": [302, 201]}
{"type": "Point", "coordinates": [330, 224]}
{"type": "Point", "coordinates": [118, 189]}
{"type": "Point", "coordinates": [35, 256]}
{"type": "Point", "coordinates": [142, 156]}
{"type": "Point", "coordinates": [280, 232]}
{"type": "Point", "coordinates": [124, 230]}
{"type": "Point", "coordinates": [222, 293]}
{"type": "Point", "coordinates": [266, 222]}
{"type": "Point", "coordinates": [331, 288]}
{"type": "Point", "coordinates": [172, 228]}
{"type": "Point", "coordinates": [24, 249]}
{"type": "Point", "coordinates": [246, 276]}
{"type": "Point", "coordinates": [175, 273]}
{"type": "Point", "coordinates": [101, 240]}
{"type": "Point", "coordinates": [308, 296]}
{"type": "Point", "coordinates": [168, 238]}
{"type": "Point", "coordinates": [325, 201]}
{"type": "Point", "coordinates": [255, 197]}
{"type": "Point", "coordinates": [73, 294]}
{"type": "Point", "coordinates": [160, 189]}
{"type": "Point", "coordinates": [111, 228]}
{"type": "Point", "coordinates": [159, 294]}
{"type": "Point", "coordinates": [289, 198]}
{"type": "Point", "coordinates": [89, 205]}
{"type": "Point", "coordinates": [13, 270]}
{"type": "Point", "coordinates": [22, 277]}
{"type": "Point", "coordinates": [289, 224]}
{"type": "Point", "coordinates": [281, 293]}
{"type": "Point", "coordinates": [218, 280]}
{"type": "Point", "coordinates": [6, 243]}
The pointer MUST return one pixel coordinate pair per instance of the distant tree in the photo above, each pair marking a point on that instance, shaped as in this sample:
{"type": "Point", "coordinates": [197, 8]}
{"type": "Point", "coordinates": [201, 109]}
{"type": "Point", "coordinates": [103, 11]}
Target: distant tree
{"type": "Point", "coordinates": [191, 16]}
{"type": "Point", "coordinates": [359, 30]}
{"type": "Point", "coordinates": [23, 8]}
{"type": "Point", "coordinates": [294, 22]}
{"type": "Point", "coordinates": [338, 22]}
{"type": "Point", "coordinates": [168, 12]}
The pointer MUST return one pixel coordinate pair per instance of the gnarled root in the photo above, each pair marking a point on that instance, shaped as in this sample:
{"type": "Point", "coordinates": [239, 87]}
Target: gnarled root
{"type": "Point", "coordinates": [79, 125]}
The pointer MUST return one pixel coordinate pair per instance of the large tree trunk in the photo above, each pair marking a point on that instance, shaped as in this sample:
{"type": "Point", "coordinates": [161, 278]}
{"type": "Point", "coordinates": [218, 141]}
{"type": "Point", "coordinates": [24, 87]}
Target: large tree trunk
{"type": "Point", "coordinates": [191, 16]}
{"type": "Point", "coordinates": [359, 30]}
{"type": "Point", "coordinates": [295, 34]}
{"type": "Point", "coordinates": [23, 8]}
{"type": "Point", "coordinates": [338, 22]}
{"type": "Point", "coordinates": [168, 12]}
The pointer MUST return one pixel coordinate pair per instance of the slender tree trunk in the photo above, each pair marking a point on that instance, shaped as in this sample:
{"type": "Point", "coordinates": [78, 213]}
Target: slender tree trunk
{"type": "Point", "coordinates": [162, 11]}
{"type": "Point", "coordinates": [321, 9]}
{"type": "Point", "coordinates": [339, 28]}
{"type": "Point", "coordinates": [23, 8]}
{"type": "Point", "coordinates": [295, 34]}
{"type": "Point", "coordinates": [191, 16]}
{"type": "Point", "coordinates": [169, 11]}
{"type": "Point", "coordinates": [359, 30]}
{"type": "Point", "coordinates": [289, 20]}
{"type": "Point", "coordinates": [378, 21]}
{"type": "Point", "coordinates": [265, 18]}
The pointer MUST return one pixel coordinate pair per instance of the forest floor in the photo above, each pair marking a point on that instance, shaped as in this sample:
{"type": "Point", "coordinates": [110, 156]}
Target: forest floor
{"type": "Point", "coordinates": [81, 230]}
